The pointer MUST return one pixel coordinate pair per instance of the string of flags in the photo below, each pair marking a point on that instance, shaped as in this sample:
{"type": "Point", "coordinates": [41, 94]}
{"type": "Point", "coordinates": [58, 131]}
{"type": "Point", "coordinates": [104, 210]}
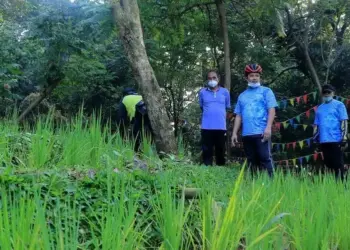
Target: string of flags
{"type": "Point", "coordinates": [292, 145]}
{"type": "Point", "coordinates": [295, 121]}
{"type": "Point", "coordinates": [301, 160]}
{"type": "Point", "coordinates": [296, 100]}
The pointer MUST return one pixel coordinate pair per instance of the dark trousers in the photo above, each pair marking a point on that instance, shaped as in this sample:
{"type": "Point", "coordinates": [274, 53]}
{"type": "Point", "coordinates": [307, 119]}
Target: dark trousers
{"type": "Point", "coordinates": [141, 127]}
{"type": "Point", "coordinates": [213, 139]}
{"type": "Point", "coordinates": [258, 154]}
{"type": "Point", "coordinates": [333, 158]}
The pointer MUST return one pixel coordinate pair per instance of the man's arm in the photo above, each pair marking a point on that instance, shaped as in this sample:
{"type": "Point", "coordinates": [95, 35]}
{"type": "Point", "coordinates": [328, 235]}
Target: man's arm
{"type": "Point", "coordinates": [344, 129]}
{"type": "Point", "coordinates": [237, 124]}
{"type": "Point", "coordinates": [271, 106]}
{"type": "Point", "coordinates": [316, 134]}
{"type": "Point", "coordinates": [122, 117]}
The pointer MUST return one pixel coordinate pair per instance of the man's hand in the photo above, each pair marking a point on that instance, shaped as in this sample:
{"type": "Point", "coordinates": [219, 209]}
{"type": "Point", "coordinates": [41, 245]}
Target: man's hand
{"type": "Point", "coordinates": [234, 139]}
{"type": "Point", "coordinates": [267, 134]}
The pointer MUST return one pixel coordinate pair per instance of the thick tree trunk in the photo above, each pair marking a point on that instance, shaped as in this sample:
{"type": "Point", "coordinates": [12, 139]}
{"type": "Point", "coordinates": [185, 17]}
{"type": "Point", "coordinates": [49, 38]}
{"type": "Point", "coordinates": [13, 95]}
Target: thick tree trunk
{"type": "Point", "coordinates": [312, 70]}
{"type": "Point", "coordinates": [127, 17]}
{"type": "Point", "coordinates": [223, 23]}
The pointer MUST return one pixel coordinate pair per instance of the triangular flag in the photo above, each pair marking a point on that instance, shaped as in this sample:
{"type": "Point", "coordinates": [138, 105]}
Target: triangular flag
{"type": "Point", "coordinates": [291, 101]}
{"type": "Point", "coordinates": [288, 144]}
{"type": "Point", "coordinates": [285, 103]}
{"type": "Point", "coordinates": [315, 156]}
{"type": "Point", "coordinates": [314, 95]}
{"type": "Point", "coordinates": [305, 98]}
{"type": "Point", "coordinates": [347, 102]}
{"type": "Point", "coordinates": [283, 146]}
{"type": "Point", "coordinates": [285, 125]}
{"type": "Point", "coordinates": [295, 126]}
{"type": "Point", "coordinates": [301, 144]}
{"type": "Point", "coordinates": [294, 145]}
{"type": "Point", "coordinates": [294, 162]}
{"type": "Point", "coordinates": [308, 141]}
{"type": "Point", "coordinates": [278, 147]}
{"type": "Point", "coordinates": [298, 99]}
{"type": "Point", "coordinates": [291, 121]}
{"type": "Point", "coordinates": [307, 158]}
{"type": "Point", "coordinates": [278, 125]}
{"type": "Point", "coordinates": [286, 162]}
{"type": "Point", "coordinates": [305, 126]}
{"type": "Point", "coordinates": [322, 156]}
{"type": "Point", "coordinates": [301, 160]}
{"type": "Point", "coordinates": [307, 114]}
{"type": "Point", "coordinates": [297, 118]}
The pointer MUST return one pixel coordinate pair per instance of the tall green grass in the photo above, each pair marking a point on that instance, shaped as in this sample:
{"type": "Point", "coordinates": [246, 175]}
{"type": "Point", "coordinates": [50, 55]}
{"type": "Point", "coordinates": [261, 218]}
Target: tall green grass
{"type": "Point", "coordinates": [129, 209]}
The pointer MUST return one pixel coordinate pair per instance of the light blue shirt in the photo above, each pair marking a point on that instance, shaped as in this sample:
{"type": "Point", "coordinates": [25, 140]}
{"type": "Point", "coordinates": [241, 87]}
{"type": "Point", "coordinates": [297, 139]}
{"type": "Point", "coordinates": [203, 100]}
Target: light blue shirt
{"type": "Point", "coordinates": [214, 105]}
{"type": "Point", "coordinates": [329, 117]}
{"type": "Point", "coordinates": [253, 106]}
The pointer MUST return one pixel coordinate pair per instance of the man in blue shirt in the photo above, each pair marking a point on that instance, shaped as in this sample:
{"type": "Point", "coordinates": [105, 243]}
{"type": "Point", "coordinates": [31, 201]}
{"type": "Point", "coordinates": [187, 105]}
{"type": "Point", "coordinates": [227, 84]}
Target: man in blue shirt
{"type": "Point", "coordinates": [255, 109]}
{"type": "Point", "coordinates": [213, 101]}
{"type": "Point", "coordinates": [330, 130]}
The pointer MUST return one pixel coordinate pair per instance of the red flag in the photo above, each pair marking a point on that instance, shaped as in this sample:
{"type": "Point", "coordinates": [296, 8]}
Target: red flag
{"type": "Point", "coordinates": [294, 145]}
{"type": "Point", "coordinates": [288, 145]}
{"type": "Point", "coordinates": [298, 99]}
{"type": "Point", "coordinates": [322, 156]}
{"type": "Point", "coordinates": [286, 162]}
{"type": "Point", "coordinates": [278, 125]}
{"type": "Point", "coordinates": [305, 98]}
{"type": "Point", "coordinates": [307, 114]}
{"type": "Point", "coordinates": [315, 108]}
{"type": "Point", "coordinates": [315, 156]}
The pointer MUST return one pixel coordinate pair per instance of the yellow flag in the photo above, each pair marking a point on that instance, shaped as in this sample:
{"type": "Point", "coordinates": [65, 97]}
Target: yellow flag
{"type": "Point", "coordinates": [285, 124]}
{"type": "Point", "coordinates": [305, 127]}
{"type": "Point", "coordinates": [301, 144]}
{"type": "Point", "coordinates": [294, 162]}
{"type": "Point", "coordinates": [291, 102]}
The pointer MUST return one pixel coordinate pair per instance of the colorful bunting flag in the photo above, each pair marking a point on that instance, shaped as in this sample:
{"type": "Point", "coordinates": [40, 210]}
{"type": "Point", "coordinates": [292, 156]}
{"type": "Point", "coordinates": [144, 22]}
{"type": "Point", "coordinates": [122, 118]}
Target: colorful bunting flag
{"type": "Point", "coordinates": [307, 114]}
{"type": "Point", "coordinates": [301, 144]}
{"type": "Point", "coordinates": [294, 162]}
{"type": "Point", "coordinates": [308, 141]}
{"type": "Point", "coordinates": [295, 126]}
{"type": "Point", "coordinates": [322, 155]}
{"type": "Point", "coordinates": [294, 145]}
{"type": "Point", "coordinates": [307, 158]}
{"type": "Point", "coordinates": [283, 146]}
{"type": "Point", "coordinates": [278, 125]}
{"type": "Point", "coordinates": [298, 99]}
{"type": "Point", "coordinates": [305, 127]}
{"type": "Point", "coordinates": [291, 121]}
{"type": "Point", "coordinates": [314, 95]}
{"type": "Point", "coordinates": [291, 102]}
{"type": "Point", "coordinates": [297, 118]}
{"type": "Point", "coordinates": [285, 125]}
{"type": "Point", "coordinates": [285, 103]}
{"type": "Point", "coordinates": [305, 98]}
{"type": "Point", "coordinates": [288, 144]}
{"type": "Point", "coordinates": [315, 156]}
{"type": "Point", "coordinates": [286, 161]}
{"type": "Point", "coordinates": [301, 160]}
{"type": "Point", "coordinates": [278, 147]}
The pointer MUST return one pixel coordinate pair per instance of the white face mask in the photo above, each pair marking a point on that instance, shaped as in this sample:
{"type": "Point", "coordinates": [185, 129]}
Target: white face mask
{"type": "Point", "coordinates": [212, 83]}
{"type": "Point", "coordinates": [254, 84]}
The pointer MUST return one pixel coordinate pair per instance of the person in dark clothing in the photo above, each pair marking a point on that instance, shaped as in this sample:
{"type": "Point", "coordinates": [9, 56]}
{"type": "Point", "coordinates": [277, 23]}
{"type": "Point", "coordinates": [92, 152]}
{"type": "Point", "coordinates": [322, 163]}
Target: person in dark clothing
{"type": "Point", "coordinates": [214, 101]}
{"type": "Point", "coordinates": [133, 111]}
{"type": "Point", "coordinates": [330, 131]}
{"type": "Point", "coordinates": [255, 109]}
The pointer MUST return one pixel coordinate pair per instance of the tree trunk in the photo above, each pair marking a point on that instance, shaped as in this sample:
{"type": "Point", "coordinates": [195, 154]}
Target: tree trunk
{"type": "Point", "coordinates": [311, 68]}
{"type": "Point", "coordinates": [45, 93]}
{"type": "Point", "coordinates": [127, 17]}
{"type": "Point", "coordinates": [223, 22]}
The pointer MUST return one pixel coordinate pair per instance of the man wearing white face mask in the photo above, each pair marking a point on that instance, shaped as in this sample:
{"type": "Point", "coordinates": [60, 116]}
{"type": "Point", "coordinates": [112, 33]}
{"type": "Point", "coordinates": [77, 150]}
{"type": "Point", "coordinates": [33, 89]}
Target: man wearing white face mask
{"type": "Point", "coordinates": [255, 109]}
{"type": "Point", "coordinates": [331, 131]}
{"type": "Point", "coordinates": [214, 101]}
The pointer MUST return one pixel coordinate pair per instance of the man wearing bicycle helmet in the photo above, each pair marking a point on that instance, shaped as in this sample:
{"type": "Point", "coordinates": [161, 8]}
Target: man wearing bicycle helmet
{"type": "Point", "coordinates": [255, 111]}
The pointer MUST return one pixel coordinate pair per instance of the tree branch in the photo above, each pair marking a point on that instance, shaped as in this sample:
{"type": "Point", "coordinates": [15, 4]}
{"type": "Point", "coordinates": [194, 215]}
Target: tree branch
{"type": "Point", "coordinates": [281, 73]}
{"type": "Point", "coordinates": [196, 5]}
